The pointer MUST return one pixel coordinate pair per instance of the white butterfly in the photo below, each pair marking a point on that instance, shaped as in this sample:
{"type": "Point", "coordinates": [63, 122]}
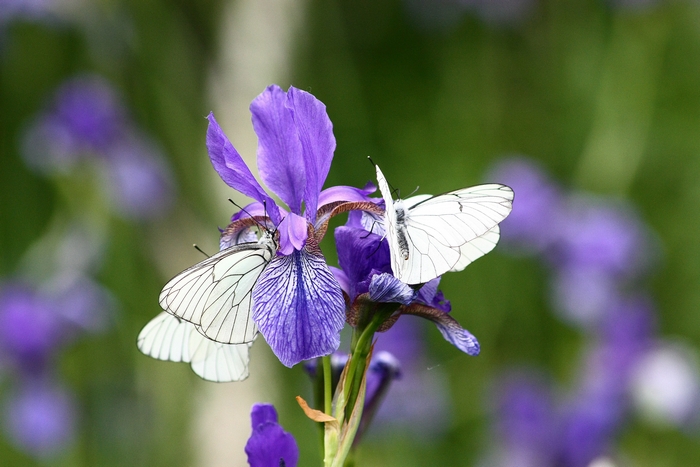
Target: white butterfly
{"type": "Point", "coordinates": [167, 337]}
{"type": "Point", "coordinates": [216, 294]}
{"type": "Point", "coordinates": [431, 235]}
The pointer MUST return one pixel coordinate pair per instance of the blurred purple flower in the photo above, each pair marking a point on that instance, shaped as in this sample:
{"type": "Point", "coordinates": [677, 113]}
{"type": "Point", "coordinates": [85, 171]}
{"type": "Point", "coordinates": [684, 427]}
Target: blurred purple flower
{"type": "Point", "coordinates": [526, 421]}
{"type": "Point", "coordinates": [24, 9]}
{"type": "Point", "coordinates": [139, 184]}
{"type": "Point", "coordinates": [269, 445]}
{"type": "Point", "coordinates": [91, 111]}
{"type": "Point", "coordinates": [30, 328]}
{"type": "Point", "coordinates": [85, 116]}
{"type": "Point", "coordinates": [81, 303]}
{"type": "Point", "coordinates": [604, 236]}
{"type": "Point", "coordinates": [534, 223]}
{"type": "Point", "coordinates": [40, 418]}
{"type": "Point", "coordinates": [582, 295]}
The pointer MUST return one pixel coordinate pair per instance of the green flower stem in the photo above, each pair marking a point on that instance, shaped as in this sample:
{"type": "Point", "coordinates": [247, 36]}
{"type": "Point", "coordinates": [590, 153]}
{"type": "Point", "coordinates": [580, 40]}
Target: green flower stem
{"type": "Point", "coordinates": [361, 346]}
{"type": "Point", "coordinates": [327, 385]}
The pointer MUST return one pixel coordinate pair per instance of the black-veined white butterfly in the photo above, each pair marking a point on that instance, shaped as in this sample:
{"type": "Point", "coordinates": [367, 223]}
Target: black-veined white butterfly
{"type": "Point", "coordinates": [167, 337]}
{"type": "Point", "coordinates": [431, 235]}
{"type": "Point", "coordinates": [216, 294]}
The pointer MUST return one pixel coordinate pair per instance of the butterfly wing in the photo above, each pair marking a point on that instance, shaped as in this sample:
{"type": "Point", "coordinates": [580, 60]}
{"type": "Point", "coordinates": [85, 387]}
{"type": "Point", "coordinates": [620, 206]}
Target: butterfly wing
{"type": "Point", "coordinates": [167, 337]}
{"type": "Point", "coordinates": [214, 361]}
{"type": "Point", "coordinates": [216, 293]}
{"type": "Point", "coordinates": [389, 217]}
{"type": "Point", "coordinates": [447, 232]}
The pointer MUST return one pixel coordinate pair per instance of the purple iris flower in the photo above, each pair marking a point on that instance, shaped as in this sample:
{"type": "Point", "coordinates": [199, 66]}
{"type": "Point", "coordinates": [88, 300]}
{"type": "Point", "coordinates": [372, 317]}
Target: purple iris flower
{"type": "Point", "coordinates": [269, 445]}
{"type": "Point", "coordinates": [40, 418]}
{"type": "Point", "coordinates": [366, 274]}
{"type": "Point", "coordinates": [298, 304]}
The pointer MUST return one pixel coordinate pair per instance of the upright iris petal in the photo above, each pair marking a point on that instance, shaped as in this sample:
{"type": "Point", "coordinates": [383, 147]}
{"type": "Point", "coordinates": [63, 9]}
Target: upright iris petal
{"type": "Point", "coordinates": [315, 132]}
{"type": "Point", "coordinates": [280, 159]}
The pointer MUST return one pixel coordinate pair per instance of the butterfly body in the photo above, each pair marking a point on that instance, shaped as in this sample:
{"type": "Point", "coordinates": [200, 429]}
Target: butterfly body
{"type": "Point", "coordinates": [430, 235]}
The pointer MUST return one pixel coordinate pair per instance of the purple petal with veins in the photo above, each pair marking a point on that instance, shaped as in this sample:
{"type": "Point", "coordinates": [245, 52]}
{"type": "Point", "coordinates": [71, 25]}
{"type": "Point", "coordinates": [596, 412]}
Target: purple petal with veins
{"type": "Point", "coordinates": [299, 307]}
{"type": "Point", "coordinates": [280, 155]}
{"type": "Point", "coordinates": [315, 132]}
{"type": "Point", "coordinates": [448, 327]}
{"type": "Point", "coordinates": [385, 288]}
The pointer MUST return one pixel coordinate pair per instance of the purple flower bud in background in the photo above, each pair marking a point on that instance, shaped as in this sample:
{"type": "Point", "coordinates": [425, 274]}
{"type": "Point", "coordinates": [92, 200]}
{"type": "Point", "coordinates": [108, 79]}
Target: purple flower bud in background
{"type": "Point", "coordinates": [533, 225]}
{"type": "Point", "coordinates": [269, 445]}
{"type": "Point", "coordinates": [24, 9]}
{"type": "Point", "coordinates": [40, 418]}
{"type": "Point", "coordinates": [383, 370]}
{"type": "Point", "coordinates": [30, 328]}
{"type": "Point", "coordinates": [139, 182]}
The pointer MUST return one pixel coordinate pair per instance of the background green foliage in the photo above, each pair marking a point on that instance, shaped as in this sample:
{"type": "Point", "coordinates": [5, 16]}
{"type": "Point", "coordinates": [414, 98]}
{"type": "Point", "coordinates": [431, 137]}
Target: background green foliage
{"type": "Point", "coordinates": [608, 100]}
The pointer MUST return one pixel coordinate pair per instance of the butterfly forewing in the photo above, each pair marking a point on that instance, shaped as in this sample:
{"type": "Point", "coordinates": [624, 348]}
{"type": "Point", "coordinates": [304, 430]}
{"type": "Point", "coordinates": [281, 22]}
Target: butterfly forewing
{"type": "Point", "coordinates": [215, 294]}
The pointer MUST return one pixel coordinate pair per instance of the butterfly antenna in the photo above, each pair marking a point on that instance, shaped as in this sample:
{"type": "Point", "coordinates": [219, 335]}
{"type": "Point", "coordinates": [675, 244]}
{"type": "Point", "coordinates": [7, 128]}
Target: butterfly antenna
{"type": "Point", "coordinates": [369, 231]}
{"type": "Point", "coordinates": [369, 158]}
{"type": "Point", "coordinates": [249, 214]}
{"type": "Point", "coordinates": [414, 191]}
{"type": "Point", "coordinates": [265, 211]}
{"type": "Point", "coordinates": [200, 250]}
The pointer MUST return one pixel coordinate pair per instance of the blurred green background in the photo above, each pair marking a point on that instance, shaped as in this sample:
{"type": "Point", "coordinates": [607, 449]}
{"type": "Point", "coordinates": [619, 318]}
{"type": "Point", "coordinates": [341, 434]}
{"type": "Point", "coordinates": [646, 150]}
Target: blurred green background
{"type": "Point", "coordinates": [605, 96]}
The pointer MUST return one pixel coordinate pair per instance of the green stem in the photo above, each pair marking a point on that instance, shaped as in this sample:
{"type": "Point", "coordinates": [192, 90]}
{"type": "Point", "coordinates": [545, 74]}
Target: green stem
{"type": "Point", "coordinates": [327, 385]}
{"type": "Point", "coordinates": [362, 344]}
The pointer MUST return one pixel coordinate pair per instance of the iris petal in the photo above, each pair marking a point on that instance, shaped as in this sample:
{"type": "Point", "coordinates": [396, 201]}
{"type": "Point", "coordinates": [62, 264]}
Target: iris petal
{"type": "Point", "coordinates": [232, 170]}
{"type": "Point", "coordinates": [280, 157]}
{"type": "Point", "coordinates": [448, 327]}
{"type": "Point", "coordinates": [269, 445]}
{"type": "Point", "coordinates": [315, 132]}
{"type": "Point", "coordinates": [293, 233]}
{"type": "Point", "coordinates": [299, 307]}
{"type": "Point", "coordinates": [385, 288]}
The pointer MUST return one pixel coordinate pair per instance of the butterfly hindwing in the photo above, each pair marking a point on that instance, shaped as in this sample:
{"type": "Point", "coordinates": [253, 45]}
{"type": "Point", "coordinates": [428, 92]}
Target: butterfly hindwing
{"type": "Point", "coordinates": [167, 337]}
